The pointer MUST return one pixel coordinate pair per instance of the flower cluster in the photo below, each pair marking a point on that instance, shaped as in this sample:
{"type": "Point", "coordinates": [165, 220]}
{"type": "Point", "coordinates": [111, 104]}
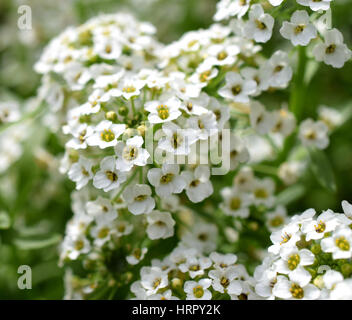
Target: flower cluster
{"type": "Point", "coordinates": [310, 258]}
{"type": "Point", "coordinates": [188, 274]}
{"type": "Point", "coordinates": [143, 127]}
{"type": "Point", "coordinates": [302, 29]}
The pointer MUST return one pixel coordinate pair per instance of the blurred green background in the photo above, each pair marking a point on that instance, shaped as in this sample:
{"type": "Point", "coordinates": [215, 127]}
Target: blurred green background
{"type": "Point", "coordinates": [36, 197]}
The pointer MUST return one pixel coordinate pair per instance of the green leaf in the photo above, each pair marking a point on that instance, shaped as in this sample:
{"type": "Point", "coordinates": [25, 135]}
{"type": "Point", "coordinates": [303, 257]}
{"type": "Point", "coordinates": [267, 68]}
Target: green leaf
{"type": "Point", "coordinates": [5, 221]}
{"type": "Point", "coordinates": [290, 194]}
{"type": "Point", "coordinates": [32, 244]}
{"type": "Point", "coordinates": [322, 169]}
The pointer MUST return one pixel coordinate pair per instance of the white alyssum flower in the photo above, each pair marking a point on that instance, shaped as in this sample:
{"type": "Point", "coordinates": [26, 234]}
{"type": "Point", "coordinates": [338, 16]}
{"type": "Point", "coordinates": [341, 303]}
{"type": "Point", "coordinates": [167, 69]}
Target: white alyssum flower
{"type": "Point", "coordinates": [261, 119]}
{"type": "Point", "coordinates": [260, 24]}
{"type": "Point", "coordinates": [263, 192]}
{"type": "Point", "coordinates": [108, 177]}
{"type": "Point", "coordinates": [74, 246]}
{"type": "Point", "coordinates": [285, 237]}
{"type": "Point", "coordinates": [347, 209]}
{"type": "Point", "coordinates": [176, 140]}
{"type": "Point", "coordinates": [236, 88]}
{"type": "Point", "coordinates": [236, 203]}
{"type": "Point", "coordinates": [105, 134]}
{"type": "Point", "coordinates": [130, 87]}
{"type": "Point", "coordinates": [293, 261]}
{"type": "Point", "coordinates": [79, 133]}
{"type": "Point", "coordinates": [102, 232]}
{"type": "Point", "coordinates": [314, 134]}
{"type": "Point", "coordinates": [101, 209]}
{"type": "Point", "coordinates": [299, 31]}
{"type": "Point", "coordinates": [277, 71]}
{"type": "Point", "coordinates": [229, 8]}
{"type": "Point", "coordinates": [331, 117]}
{"type": "Point", "coordinates": [205, 124]}
{"type": "Point", "coordinates": [316, 229]}
{"type": "Point", "coordinates": [195, 106]}
{"type": "Point", "coordinates": [163, 111]}
{"type": "Point", "coordinates": [277, 218]}
{"type": "Point", "coordinates": [166, 180]}
{"type": "Point", "coordinates": [198, 186]}
{"type": "Point", "coordinates": [339, 244]}
{"type": "Point", "coordinates": [290, 172]}
{"type": "Point", "coordinates": [238, 152]}
{"type": "Point", "coordinates": [160, 225]}
{"type": "Point", "coordinates": [131, 153]}
{"type": "Point", "coordinates": [81, 172]}
{"type": "Point", "coordinates": [198, 290]}
{"type": "Point", "coordinates": [9, 111]}
{"type": "Point", "coordinates": [342, 290]}
{"type": "Point", "coordinates": [333, 51]}
{"type": "Point", "coordinates": [205, 72]}
{"type": "Point", "coordinates": [298, 289]}
{"type": "Point", "coordinates": [138, 199]}
{"type": "Point", "coordinates": [316, 5]}
{"type": "Point", "coordinates": [137, 256]}
{"type": "Point", "coordinates": [93, 104]}
{"type": "Point", "coordinates": [223, 261]}
{"type": "Point", "coordinates": [226, 280]}
{"type": "Point", "coordinates": [153, 279]}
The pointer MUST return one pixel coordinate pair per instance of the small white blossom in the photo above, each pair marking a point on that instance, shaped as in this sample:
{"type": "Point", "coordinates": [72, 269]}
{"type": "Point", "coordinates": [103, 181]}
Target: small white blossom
{"type": "Point", "coordinates": [108, 178]}
{"type": "Point", "coordinates": [160, 225]}
{"type": "Point", "coordinates": [299, 31]}
{"type": "Point", "coordinates": [138, 199]}
{"type": "Point", "coordinates": [333, 51]}
{"type": "Point", "coordinates": [260, 24]}
{"type": "Point", "coordinates": [81, 172]}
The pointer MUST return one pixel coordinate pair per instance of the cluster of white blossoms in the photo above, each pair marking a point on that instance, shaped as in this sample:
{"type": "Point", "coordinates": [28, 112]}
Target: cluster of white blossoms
{"type": "Point", "coordinates": [187, 274]}
{"type": "Point", "coordinates": [310, 258]}
{"type": "Point", "coordinates": [143, 127]}
{"type": "Point", "coordinates": [301, 29]}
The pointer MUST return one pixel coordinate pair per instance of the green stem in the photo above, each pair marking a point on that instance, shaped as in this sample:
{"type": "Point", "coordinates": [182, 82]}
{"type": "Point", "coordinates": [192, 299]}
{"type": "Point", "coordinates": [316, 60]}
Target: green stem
{"type": "Point", "coordinates": [133, 106]}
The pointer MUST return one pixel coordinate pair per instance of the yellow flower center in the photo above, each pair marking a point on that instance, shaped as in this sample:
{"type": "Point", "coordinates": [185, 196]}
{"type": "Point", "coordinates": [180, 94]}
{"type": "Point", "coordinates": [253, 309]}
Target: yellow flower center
{"type": "Point", "coordinates": [342, 243]}
{"type": "Point", "coordinates": [260, 25]}
{"type": "Point", "coordinates": [236, 90]}
{"type": "Point", "coordinates": [112, 176]}
{"type": "Point", "coordinates": [203, 77]}
{"type": "Point", "coordinates": [107, 135]}
{"type": "Point", "coordinates": [222, 55]}
{"type": "Point", "coordinates": [225, 282]}
{"type": "Point", "coordinates": [299, 29]}
{"type": "Point", "coordinates": [130, 153]}
{"type": "Point", "coordinates": [163, 111]}
{"type": "Point", "coordinates": [320, 227]}
{"type": "Point", "coordinates": [235, 203]}
{"type": "Point", "coordinates": [296, 291]}
{"type": "Point", "coordinates": [79, 244]}
{"type": "Point", "coordinates": [166, 178]}
{"type": "Point", "coordinates": [293, 261]}
{"type": "Point", "coordinates": [276, 221]}
{"type": "Point", "coordinates": [141, 197]}
{"type": "Point", "coordinates": [330, 49]}
{"type": "Point", "coordinates": [103, 233]}
{"type": "Point", "coordinates": [198, 291]}
{"type": "Point", "coordinates": [261, 193]}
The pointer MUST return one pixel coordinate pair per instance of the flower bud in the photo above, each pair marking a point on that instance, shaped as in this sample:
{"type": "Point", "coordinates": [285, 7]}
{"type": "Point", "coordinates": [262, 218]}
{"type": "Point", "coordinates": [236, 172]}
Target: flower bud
{"type": "Point", "coordinates": [111, 115]}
